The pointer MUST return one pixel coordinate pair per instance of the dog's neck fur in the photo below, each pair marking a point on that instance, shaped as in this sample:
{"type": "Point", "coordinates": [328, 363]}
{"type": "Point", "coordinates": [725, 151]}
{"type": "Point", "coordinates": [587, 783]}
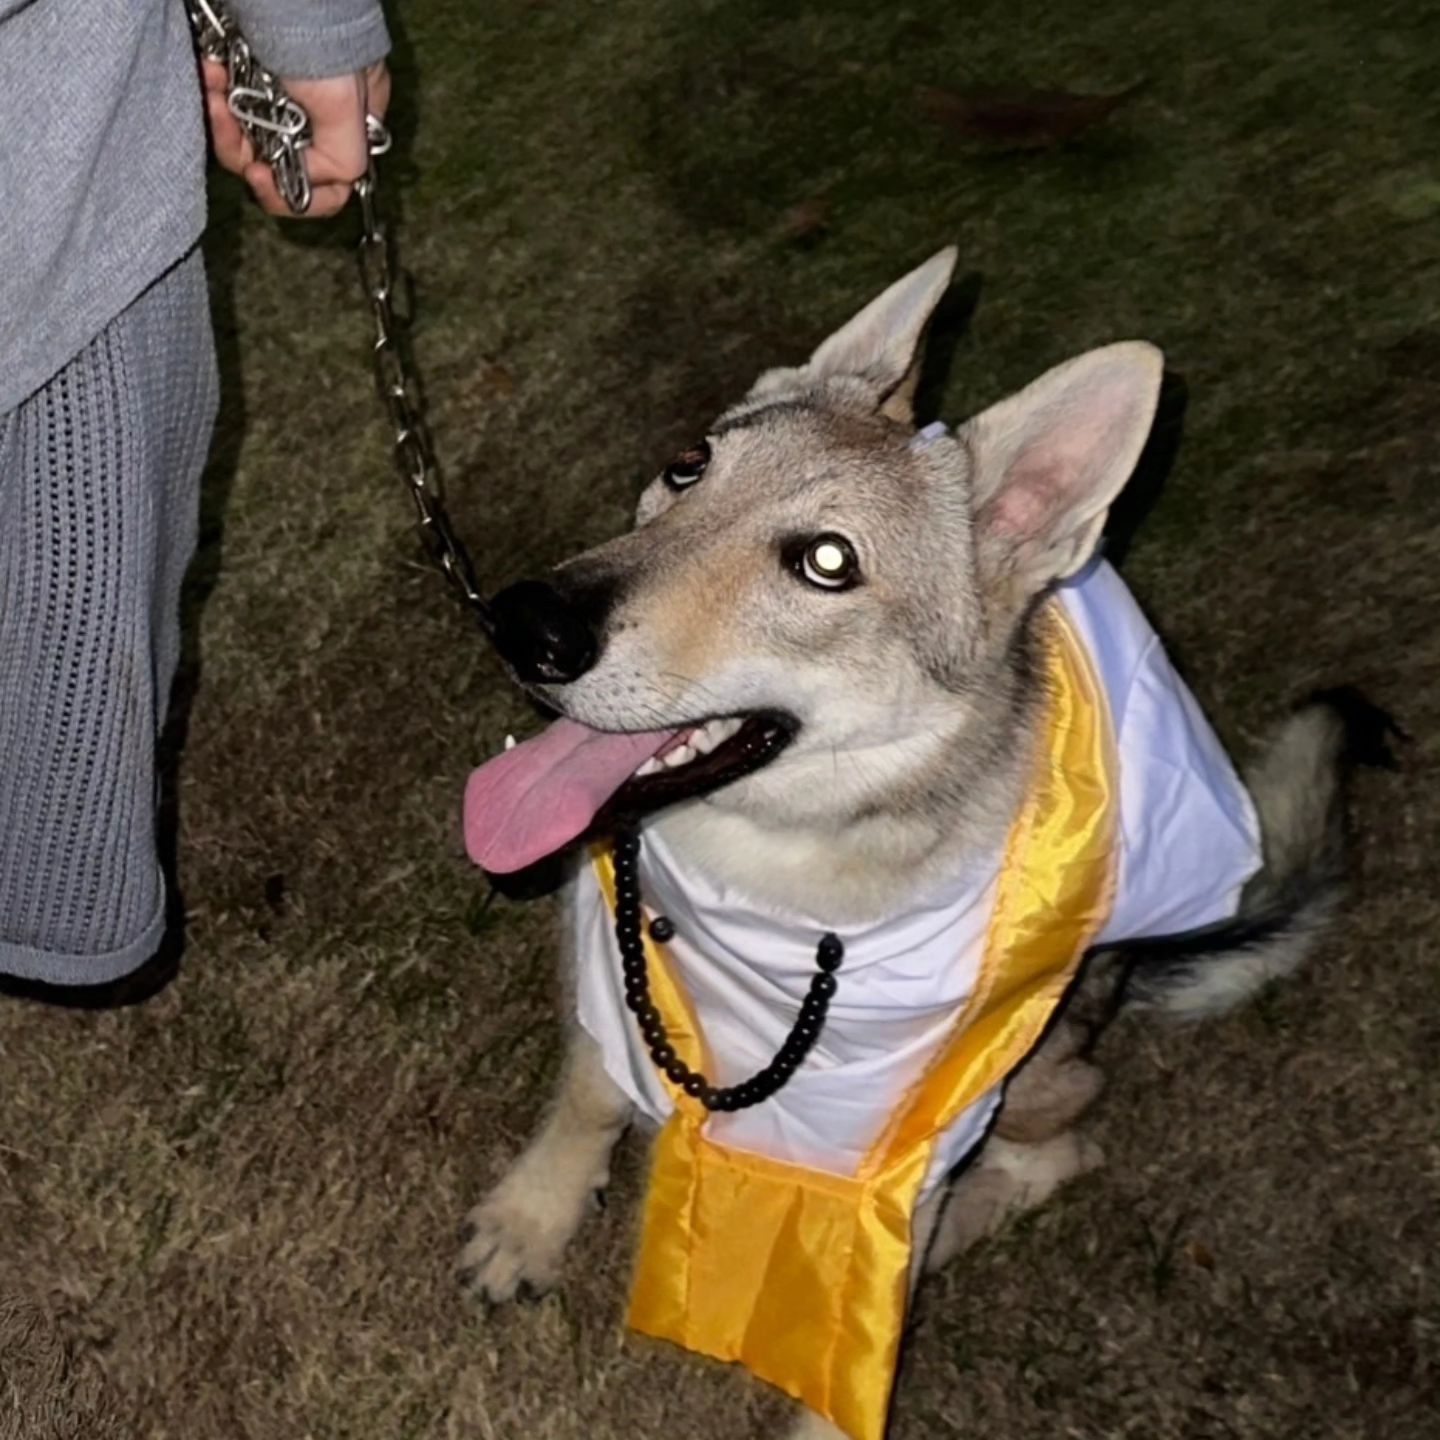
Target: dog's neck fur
{"type": "Point", "coordinates": [935, 820]}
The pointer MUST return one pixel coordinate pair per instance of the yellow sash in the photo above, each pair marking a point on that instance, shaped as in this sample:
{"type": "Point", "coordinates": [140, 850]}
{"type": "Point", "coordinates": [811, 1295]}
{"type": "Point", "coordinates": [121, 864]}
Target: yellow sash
{"type": "Point", "coordinates": [800, 1275]}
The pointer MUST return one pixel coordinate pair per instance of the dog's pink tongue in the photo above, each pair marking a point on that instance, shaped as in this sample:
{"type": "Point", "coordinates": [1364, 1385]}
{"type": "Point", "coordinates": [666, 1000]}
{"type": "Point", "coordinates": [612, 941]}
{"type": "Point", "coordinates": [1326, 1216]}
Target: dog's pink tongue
{"type": "Point", "coordinates": [528, 802]}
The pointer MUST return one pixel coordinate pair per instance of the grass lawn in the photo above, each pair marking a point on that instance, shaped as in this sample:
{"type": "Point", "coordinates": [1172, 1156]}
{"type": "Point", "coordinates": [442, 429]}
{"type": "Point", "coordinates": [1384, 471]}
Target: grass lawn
{"type": "Point", "coordinates": [240, 1199]}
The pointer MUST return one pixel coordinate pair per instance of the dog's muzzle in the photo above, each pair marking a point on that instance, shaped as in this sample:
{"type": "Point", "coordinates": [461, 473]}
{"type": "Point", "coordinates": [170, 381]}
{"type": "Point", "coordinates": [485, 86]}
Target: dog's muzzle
{"type": "Point", "coordinates": [541, 635]}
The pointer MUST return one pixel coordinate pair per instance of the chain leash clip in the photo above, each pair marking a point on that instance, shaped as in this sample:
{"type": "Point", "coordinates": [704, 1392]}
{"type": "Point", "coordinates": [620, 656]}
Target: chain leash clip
{"type": "Point", "coordinates": [279, 130]}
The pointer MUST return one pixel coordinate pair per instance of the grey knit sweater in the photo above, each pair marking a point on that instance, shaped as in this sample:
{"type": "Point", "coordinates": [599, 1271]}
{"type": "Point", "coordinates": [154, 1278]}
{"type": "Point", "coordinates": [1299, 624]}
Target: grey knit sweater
{"type": "Point", "coordinates": [102, 153]}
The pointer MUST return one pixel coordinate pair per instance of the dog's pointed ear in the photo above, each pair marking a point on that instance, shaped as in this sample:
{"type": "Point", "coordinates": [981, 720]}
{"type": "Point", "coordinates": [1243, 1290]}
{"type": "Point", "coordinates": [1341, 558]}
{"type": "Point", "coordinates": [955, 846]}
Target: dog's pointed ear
{"type": "Point", "coordinates": [1049, 461]}
{"type": "Point", "coordinates": [880, 346]}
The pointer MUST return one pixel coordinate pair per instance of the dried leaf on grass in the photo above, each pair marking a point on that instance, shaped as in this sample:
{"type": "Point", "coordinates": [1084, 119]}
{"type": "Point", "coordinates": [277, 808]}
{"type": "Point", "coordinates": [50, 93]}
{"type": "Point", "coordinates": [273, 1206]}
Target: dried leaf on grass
{"type": "Point", "coordinates": [1020, 119]}
{"type": "Point", "coordinates": [493, 376]}
{"type": "Point", "coordinates": [1199, 1253]}
{"type": "Point", "coordinates": [807, 222]}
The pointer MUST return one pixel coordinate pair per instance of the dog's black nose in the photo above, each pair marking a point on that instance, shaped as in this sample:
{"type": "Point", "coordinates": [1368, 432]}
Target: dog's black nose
{"type": "Point", "coordinates": [541, 635]}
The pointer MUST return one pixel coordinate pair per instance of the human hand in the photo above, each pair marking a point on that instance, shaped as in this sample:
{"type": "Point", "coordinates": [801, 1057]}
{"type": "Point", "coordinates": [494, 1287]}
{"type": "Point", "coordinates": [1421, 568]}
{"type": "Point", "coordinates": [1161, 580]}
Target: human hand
{"type": "Point", "coordinates": [338, 153]}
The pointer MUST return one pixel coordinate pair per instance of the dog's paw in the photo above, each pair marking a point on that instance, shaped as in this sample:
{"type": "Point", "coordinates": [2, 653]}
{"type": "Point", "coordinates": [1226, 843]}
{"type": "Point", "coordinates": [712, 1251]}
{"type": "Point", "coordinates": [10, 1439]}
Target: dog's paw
{"type": "Point", "coordinates": [1088, 1155]}
{"type": "Point", "coordinates": [1046, 1100]}
{"type": "Point", "coordinates": [512, 1243]}
{"type": "Point", "coordinates": [1035, 1172]}
{"type": "Point", "coordinates": [1007, 1179]}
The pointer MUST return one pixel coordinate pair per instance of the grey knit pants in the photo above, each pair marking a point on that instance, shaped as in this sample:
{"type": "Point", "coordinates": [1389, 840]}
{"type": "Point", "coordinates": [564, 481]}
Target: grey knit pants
{"type": "Point", "coordinates": [99, 488]}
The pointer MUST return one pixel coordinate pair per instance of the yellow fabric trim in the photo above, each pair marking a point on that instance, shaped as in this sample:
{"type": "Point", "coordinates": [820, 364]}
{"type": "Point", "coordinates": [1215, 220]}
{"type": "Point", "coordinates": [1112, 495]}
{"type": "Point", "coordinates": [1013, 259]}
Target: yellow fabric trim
{"type": "Point", "coordinates": [803, 1276]}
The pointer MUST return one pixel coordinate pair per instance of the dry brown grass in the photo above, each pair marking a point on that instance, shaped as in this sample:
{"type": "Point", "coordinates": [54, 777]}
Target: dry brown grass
{"type": "Point", "coordinates": [49, 1388]}
{"type": "Point", "coordinates": [239, 1200]}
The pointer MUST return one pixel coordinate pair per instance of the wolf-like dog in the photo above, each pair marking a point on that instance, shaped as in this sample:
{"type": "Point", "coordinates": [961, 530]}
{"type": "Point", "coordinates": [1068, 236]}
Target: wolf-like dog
{"type": "Point", "coordinates": [814, 676]}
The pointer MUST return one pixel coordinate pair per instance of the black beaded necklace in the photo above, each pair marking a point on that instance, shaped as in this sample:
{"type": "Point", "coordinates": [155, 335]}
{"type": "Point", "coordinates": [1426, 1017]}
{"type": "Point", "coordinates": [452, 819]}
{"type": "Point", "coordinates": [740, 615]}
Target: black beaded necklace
{"type": "Point", "coordinates": [803, 1034]}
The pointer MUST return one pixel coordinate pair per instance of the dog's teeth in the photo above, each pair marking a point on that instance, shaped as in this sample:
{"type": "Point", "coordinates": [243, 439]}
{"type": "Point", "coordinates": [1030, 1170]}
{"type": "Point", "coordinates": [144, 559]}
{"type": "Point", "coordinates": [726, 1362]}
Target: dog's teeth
{"type": "Point", "coordinates": [510, 742]}
{"type": "Point", "coordinates": [717, 732]}
{"type": "Point", "coordinates": [700, 741]}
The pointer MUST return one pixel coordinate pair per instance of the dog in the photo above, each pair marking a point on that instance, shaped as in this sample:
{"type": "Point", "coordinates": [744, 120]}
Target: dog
{"type": "Point", "coordinates": [810, 688]}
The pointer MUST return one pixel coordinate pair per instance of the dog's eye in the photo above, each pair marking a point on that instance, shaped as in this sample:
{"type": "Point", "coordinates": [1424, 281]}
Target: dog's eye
{"type": "Point", "coordinates": [683, 471]}
{"type": "Point", "coordinates": [827, 562]}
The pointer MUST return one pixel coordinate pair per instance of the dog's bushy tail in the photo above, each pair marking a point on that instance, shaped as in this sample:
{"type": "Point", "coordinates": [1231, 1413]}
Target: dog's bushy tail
{"type": "Point", "coordinates": [1298, 785]}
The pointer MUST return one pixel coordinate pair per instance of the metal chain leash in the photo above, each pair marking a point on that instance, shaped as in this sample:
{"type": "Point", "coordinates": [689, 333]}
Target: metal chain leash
{"type": "Point", "coordinates": [411, 449]}
{"type": "Point", "coordinates": [279, 130]}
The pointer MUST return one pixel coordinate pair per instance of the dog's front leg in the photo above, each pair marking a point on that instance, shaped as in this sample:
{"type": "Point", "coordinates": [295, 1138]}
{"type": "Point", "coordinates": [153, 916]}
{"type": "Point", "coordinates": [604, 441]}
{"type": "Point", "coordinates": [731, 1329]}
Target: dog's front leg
{"type": "Point", "coordinates": [1033, 1149]}
{"type": "Point", "coordinates": [811, 1426]}
{"type": "Point", "coordinates": [514, 1238]}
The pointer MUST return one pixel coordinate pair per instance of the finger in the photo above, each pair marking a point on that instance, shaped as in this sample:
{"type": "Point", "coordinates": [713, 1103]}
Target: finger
{"type": "Point", "coordinates": [325, 200]}
{"type": "Point", "coordinates": [262, 186]}
{"type": "Point", "coordinates": [377, 100]}
{"type": "Point", "coordinates": [232, 149]}
{"type": "Point", "coordinates": [328, 200]}
{"type": "Point", "coordinates": [325, 166]}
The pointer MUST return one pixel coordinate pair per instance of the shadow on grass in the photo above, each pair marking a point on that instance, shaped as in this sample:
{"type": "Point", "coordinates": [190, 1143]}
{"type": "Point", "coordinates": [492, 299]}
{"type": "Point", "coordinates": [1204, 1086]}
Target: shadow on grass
{"type": "Point", "coordinates": [1142, 492]}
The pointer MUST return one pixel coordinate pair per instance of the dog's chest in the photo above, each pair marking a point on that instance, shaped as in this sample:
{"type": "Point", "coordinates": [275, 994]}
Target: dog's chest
{"type": "Point", "coordinates": [902, 986]}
